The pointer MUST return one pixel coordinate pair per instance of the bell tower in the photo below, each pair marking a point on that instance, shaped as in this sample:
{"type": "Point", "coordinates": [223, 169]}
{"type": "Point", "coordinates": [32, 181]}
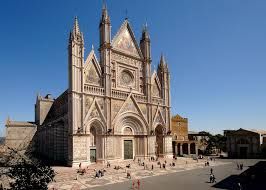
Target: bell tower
{"type": "Point", "coordinates": [75, 90]}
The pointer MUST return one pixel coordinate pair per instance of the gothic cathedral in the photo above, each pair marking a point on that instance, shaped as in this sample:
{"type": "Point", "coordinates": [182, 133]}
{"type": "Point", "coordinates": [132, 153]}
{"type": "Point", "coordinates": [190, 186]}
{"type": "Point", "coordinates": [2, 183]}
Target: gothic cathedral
{"type": "Point", "coordinates": [115, 107]}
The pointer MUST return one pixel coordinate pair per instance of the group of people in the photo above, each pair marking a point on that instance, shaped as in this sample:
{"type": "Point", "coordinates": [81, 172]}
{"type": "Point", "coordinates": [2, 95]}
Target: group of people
{"type": "Point", "coordinates": [240, 166]}
{"type": "Point", "coordinates": [99, 173]}
{"type": "Point", "coordinates": [212, 177]}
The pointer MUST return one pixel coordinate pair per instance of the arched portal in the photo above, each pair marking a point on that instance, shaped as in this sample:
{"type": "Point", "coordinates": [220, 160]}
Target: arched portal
{"type": "Point", "coordinates": [96, 141]}
{"type": "Point", "coordinates": [185, 148]}
{"type": "Point", "coordinates": [159, 140]}
{"type": "Point", "coordinates": [129, 131]}
{"type": "Point", "coordinates": [192, 148]}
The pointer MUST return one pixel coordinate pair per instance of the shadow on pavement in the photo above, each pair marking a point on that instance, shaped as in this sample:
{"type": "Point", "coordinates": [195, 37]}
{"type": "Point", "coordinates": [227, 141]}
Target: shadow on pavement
{"type": "Point", "coordinates": [254, 178]}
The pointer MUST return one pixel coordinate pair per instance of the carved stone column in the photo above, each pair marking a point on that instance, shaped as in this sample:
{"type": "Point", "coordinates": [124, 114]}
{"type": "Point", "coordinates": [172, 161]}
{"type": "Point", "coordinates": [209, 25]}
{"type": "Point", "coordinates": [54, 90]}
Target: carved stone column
{"type": "Point", "coordinates": [181, 149]}
{"type": "Point", "coordinates": [188, 148]}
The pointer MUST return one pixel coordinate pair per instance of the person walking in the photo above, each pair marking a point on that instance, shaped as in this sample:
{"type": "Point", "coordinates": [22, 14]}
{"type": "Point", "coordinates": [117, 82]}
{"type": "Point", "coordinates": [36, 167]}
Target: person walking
{"type": "Point", "coordinates": [211, 170]}
{"type": "Point", "coordinates": [211, 178]}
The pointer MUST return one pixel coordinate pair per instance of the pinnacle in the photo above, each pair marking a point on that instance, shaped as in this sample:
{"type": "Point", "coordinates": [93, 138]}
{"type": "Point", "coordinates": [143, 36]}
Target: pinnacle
{"type": "Point", "coordinates": [76, 26]}
{"type": "Point", "coordinates": [145, 33]}
{"type": "Point", "coordinates": [104, 10]}
{"type": "Point", "coordinates": [162, 60]}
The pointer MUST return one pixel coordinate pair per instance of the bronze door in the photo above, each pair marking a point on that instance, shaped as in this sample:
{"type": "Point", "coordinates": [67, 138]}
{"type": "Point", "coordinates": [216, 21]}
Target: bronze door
{"type": "Point", "coordinates": [128, 149]}
{"type": "Point", "coordinates": [93, 155]}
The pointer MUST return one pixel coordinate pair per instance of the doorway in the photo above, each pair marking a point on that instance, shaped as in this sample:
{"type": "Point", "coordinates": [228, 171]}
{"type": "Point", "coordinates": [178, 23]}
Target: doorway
{"type": "Point", "coordinates": [93, 155]}
{"type": "Point", "coordinates": [128, 149]}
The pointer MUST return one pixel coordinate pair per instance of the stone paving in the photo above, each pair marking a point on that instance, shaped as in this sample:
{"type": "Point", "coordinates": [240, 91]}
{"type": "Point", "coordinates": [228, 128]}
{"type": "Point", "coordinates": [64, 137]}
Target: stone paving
{"type": "Point", "coordinates": [67, 178]}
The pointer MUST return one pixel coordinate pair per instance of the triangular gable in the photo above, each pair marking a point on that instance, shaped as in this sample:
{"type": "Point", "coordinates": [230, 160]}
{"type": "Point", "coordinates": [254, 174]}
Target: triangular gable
{"type": "Point", "coordinates": [244, 132]}
{"type": "Point", "coordinates": [92, 69]}
{"type": "Point", "coordinates": [94, 112]}
{"type": "Point", "coordinates": [155, 78]}
{"type": "Point", "coordinates": [156, 85]}
{"type": "Point", "coordinates": [125, 40]}
{"type": "Point", "coordinates": [92, 59]}
{"type": "Point", "coordinates": [158, 118]}
{"type": "Point", "coordinates": [130, 105]}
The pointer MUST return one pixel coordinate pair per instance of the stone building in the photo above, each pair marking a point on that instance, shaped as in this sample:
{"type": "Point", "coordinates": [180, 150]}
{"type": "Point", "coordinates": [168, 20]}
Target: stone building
{"type": "Point", "coordinates": [115, 107]}
{"type": "Point", "coordinates": [201, 139]}
{"type": "Point", "coordinates": [19, 135]}
{"type": "Point", "coordinates": [243, 143]}
{"type": "Point", "coordinates": [182, 145]}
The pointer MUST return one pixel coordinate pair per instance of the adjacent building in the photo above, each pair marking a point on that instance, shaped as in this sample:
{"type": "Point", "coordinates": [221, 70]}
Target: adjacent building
{"type": "Point", "coordinates": [244, 143]}
{"type": "Point", "coordinates": [20, 134]}
{"type": "Point", "coordinates": [201, 138]}
{"type": "Point", "coordinates": [182, 145]}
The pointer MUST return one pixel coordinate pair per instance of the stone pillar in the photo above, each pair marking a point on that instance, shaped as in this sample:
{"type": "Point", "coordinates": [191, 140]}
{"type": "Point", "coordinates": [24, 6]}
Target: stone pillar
{"type": "Point", "coordinates": [181, 149]}
{"type": "Point", "coordinates": [176, 150]}
{"type": "Point", "coordinates": [188, 148]}
{"type": "Point", "coordinates": [196, 149]}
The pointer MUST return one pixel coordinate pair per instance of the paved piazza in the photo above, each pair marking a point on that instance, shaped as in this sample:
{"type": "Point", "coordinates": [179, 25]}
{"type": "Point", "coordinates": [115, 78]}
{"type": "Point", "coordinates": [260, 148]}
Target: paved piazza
{"type": "Point", "coordinates": [187, 173]}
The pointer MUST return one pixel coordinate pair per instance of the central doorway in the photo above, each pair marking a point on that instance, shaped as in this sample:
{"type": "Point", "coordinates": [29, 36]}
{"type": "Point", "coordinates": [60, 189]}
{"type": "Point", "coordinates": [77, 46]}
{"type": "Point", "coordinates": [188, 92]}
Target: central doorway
{"type": "Point", "coordinates": [128, 149]}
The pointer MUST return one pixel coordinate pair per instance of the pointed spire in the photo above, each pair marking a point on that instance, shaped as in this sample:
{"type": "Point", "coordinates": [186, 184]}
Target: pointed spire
{"type": "Point", "coordinates": [104, 11]}
{"type": "Point", "coordinates": [145, 32]}
{"type": "Point", "coordinates": [162, 60]}
{"type": "Point", "coordinates": [76, 26]}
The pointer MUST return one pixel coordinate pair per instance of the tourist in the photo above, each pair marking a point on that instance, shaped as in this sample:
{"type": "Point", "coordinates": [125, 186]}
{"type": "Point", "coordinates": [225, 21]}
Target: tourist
{"type": "Point", "coordinates": [241, 166]}
{"type": "Point", "coordinates": [152, 167]}
{"type": "Point", "coordinates": [163, 165]}
{"type": "Point", "coordinates": [211, 170]}
{"type": "Point", "coordinates": [101, 173]}
{"type": "Point", "coordinates": [97, 174]}
{"type": "Point", "coordinates": [128, 175]}
{"type": "Point", "coordinates": [108, 164]}
{"type": "Point", "coordinates": [239, 186]}
{"type": "Point", "coordinates": [211, 177]}
{"type": "Point", "coordinates": [138, 182]}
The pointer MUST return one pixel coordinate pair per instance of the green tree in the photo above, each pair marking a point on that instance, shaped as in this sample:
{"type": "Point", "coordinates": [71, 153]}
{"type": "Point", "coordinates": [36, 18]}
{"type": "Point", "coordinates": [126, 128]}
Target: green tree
{"type": "Point", "coordinates": [217, 141]}
{"type": "Point", "coordinates": [25, 172]}
{"type": "Point", "coordinates": [29, 176]}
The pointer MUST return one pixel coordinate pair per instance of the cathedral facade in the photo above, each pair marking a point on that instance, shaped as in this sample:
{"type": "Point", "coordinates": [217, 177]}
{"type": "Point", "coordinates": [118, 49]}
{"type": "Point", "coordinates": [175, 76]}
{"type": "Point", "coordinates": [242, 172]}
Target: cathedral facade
{"type": "Point", "coordinates": [115, 107]}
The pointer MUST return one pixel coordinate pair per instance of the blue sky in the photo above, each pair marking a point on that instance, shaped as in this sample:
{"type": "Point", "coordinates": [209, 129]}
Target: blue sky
{"type": "Point", "coordinates": [216, 51]}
